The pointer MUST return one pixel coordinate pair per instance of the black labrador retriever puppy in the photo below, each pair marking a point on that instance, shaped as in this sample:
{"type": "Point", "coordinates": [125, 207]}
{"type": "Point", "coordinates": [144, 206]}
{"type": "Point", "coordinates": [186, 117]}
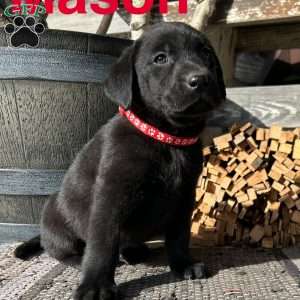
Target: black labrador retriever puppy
{"type": "Point", "coordinates": [136, 178]}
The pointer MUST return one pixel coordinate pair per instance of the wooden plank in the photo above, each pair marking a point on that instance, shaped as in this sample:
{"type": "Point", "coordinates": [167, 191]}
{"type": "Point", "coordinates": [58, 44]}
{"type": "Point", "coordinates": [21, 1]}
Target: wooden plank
{"type": "Point", "coordinates": [263, 106]}
{"type": "Point", "coordinates": [99, 110]}
{"type": "Point", "coordinates": [242, 12]}
{"type": "Point", "coordinates": [53, 116]}
{"type": "Point", "coordinates": [30, 181]}
{"type": "Point", "coordinates": [18, 209]}
{"type": "Point", "coordinates": [12, 152]}
{"type": "Point", "coordinates": [268, 37]}
{"type": "Point", "coordinates": [224, 42]}
{"type": "Point", "coordinates": [245, 12]}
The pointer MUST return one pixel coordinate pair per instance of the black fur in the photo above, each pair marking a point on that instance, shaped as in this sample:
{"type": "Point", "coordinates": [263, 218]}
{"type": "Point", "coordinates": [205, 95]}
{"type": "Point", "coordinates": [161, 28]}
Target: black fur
{"type": "Point", "coordinates": [123, 187]}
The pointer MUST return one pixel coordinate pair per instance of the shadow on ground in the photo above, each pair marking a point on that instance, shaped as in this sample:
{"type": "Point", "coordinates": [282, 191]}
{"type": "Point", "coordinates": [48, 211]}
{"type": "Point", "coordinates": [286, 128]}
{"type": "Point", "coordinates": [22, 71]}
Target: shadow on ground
{"type": "Point", "coordinates": [244, 272]}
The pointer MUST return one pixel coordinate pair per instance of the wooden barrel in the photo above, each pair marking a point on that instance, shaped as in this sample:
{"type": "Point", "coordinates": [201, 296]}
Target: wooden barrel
{"type": "Point", "coordinates": [49, 108]}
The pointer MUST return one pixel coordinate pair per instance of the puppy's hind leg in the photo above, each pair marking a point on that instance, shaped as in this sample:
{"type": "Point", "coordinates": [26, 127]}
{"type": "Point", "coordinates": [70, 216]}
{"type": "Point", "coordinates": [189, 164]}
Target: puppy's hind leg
{"type": "Point", "coordinates": [57, 238]}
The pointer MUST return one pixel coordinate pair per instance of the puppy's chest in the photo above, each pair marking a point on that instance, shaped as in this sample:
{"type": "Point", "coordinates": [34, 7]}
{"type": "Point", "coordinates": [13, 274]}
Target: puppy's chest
{"type": "Point", "coordinates": [167, 185]}
{"type": "Point", "coordinates": [173, 174]}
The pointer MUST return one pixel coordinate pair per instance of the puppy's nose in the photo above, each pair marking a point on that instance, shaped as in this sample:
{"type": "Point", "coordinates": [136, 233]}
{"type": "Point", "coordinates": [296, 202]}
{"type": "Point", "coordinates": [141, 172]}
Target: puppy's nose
{"type": "Point", "coordinates": [196, 80]}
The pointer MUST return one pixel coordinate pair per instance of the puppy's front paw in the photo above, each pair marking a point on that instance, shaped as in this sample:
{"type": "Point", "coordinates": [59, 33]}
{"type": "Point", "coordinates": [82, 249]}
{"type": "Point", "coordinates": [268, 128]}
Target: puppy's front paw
{"type": "Point", "coordinates": [86, 293]}
{"type": "Point", "coordinates": [192, 271]}
{"type": "Point", "coordinates": [195, 271]}
{"type": "Point", "coordinates": [109, 293]}
{"type": "Point", "coordinates": [91, 293]}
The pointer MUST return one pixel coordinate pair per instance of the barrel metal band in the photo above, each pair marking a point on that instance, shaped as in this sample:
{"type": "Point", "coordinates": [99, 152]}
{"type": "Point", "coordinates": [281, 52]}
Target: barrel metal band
{"type": "Point", "coordinates": [53, 64]}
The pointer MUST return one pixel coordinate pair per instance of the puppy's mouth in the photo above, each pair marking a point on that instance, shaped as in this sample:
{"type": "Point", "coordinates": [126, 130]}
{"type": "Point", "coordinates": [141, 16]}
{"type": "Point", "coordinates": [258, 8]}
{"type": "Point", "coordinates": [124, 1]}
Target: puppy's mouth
{"type": "Point", "coordinates": [195, 108]}
{"type": "Point", "coordinates": [194, 112]}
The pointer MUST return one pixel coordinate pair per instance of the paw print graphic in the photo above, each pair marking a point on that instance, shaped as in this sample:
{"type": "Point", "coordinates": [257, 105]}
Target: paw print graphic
{"type": "Point", "coordinates": [160, 136]}
{"type": "Point", "coordinates": [24, 32]}
{"type": "Point", "coordinates": [144, 127]}
{"type": "Point", "coordinates": [151, 131]}
{"type": "Point", "coordinates": [169, 140]}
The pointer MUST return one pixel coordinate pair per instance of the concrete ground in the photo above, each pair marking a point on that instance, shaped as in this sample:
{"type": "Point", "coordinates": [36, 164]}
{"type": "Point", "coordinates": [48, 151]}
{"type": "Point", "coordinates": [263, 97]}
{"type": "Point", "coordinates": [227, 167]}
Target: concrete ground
{"type": "Point", "coordinates": [234, 273]}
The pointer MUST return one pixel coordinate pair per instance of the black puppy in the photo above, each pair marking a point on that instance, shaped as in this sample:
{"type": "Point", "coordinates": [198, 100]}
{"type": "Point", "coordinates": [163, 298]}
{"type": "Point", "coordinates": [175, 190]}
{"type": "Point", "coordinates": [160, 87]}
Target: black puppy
{"type": "Point", "coordinates": [126, 186]}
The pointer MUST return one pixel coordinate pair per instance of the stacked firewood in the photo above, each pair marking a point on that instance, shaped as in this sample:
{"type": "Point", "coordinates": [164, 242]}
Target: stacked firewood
{"type": "Point", "coordinates": [249, 190]}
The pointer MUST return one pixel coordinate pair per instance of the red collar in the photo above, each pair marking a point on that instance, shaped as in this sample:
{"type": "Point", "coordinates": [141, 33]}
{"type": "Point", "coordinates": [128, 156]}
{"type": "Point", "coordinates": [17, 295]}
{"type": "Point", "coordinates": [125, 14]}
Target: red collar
{"type": "Point", "coordinates": [154, 132]}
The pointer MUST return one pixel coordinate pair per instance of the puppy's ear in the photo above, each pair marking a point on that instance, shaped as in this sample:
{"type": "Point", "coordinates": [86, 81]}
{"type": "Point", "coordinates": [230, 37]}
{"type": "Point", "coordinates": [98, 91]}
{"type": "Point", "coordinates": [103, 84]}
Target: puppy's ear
{"type": "Point", "coordinates": [119, 84]}
{"type": "Point", "coordinates": [219, 74]}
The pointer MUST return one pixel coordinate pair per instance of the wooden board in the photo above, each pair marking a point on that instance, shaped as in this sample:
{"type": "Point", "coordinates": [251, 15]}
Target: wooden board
{"type": "Point", "coordinates": [53, 117]}
{"type": "Point", "coordinates": [12, 154]}
{"type": "Point", "coordinates": [262, 106]}
{"type": "Point", "coordinates": [11, 140]}
{"type": "Point", "coordinates": [224, 40]}
{"type": "Point", "coordinates": [98, 110]}
{"type": "Point", "coordinates": [243, 12]}
{"type": "Point", "coordinates": [20, 209]}
{"type": "Point", "coordinates": [268, 37]}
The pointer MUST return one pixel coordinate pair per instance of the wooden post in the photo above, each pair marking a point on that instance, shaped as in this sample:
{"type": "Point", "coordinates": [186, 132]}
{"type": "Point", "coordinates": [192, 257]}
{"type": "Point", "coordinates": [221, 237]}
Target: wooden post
{"type": "Point", "coordinates": [138, 22]}
{"type": "Point", "coordinates": [224, 41]}
{"type": "Point", "coordinates": [104, 24]}
{"type": "Point", "coordinates": [203, 12]}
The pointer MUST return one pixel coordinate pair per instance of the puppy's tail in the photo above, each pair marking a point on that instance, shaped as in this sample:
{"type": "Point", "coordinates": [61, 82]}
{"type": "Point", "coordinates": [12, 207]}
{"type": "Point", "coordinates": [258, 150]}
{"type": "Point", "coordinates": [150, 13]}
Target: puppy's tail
{"type": "Point", "coordinates": [29, 248]}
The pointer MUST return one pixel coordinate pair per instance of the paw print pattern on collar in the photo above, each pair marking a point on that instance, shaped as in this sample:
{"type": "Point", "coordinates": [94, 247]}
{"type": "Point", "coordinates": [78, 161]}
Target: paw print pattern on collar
{"type": "Point", "coordinates": [155, 133]}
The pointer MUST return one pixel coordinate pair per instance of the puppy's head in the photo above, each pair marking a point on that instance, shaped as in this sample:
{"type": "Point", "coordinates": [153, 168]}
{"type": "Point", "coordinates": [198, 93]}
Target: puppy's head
{"type": "Point", "coordinates": [172, 72]}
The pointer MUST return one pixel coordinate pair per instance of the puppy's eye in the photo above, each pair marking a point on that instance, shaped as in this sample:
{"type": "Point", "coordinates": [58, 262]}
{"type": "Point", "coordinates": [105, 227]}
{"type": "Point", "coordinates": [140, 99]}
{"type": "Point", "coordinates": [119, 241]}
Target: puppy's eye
{"type": "Point", "coordinates": [161, 59]}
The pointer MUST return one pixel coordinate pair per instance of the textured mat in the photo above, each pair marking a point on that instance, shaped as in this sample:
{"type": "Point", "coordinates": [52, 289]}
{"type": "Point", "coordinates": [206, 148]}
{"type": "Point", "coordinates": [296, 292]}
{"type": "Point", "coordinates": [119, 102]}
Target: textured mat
{"type": "Point", "coordinates": [235, 273]}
